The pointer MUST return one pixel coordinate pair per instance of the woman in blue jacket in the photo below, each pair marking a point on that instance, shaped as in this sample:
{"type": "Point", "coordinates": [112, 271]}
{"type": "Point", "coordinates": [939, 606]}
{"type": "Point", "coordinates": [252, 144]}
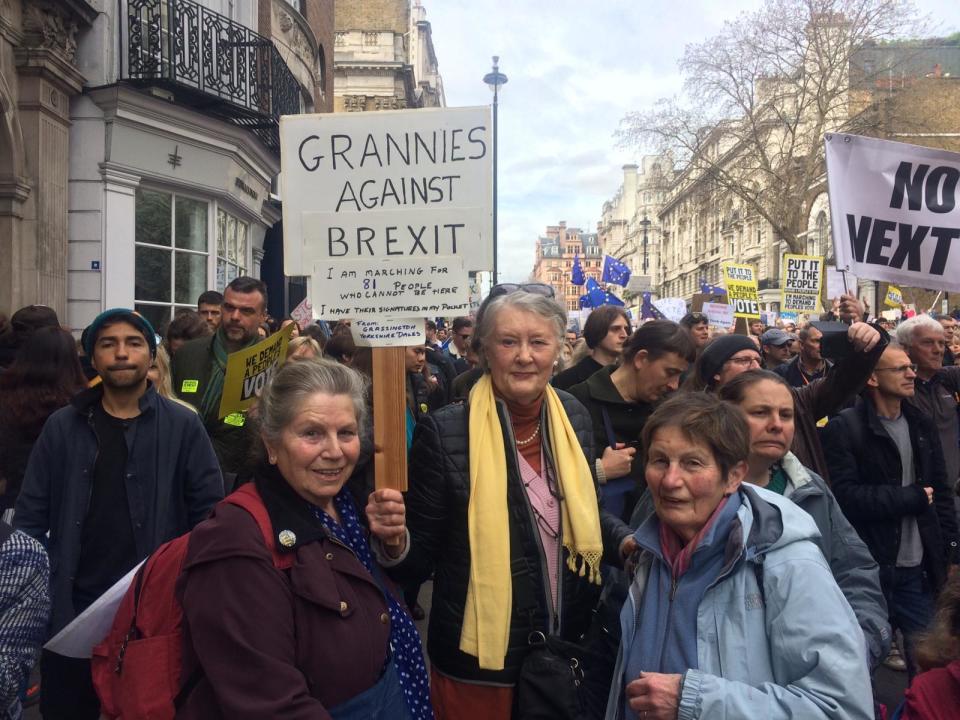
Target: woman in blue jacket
{"type": "Point", "coordinates": [732, 611]}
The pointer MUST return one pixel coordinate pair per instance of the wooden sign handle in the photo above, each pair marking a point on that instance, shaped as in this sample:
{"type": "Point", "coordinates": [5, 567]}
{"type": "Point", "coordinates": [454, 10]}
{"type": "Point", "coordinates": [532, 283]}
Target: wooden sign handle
{"type": "Point", "coordinates": [390, 418]}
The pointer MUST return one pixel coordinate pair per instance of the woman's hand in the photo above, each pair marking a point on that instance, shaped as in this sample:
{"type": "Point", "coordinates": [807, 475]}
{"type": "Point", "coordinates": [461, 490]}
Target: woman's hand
{"type": "Point", "coordinates": [387, 517]}
{"type": "Point", "coordinates": [655, 696]}
{"type": "Point", "coordinates": [616, 461]}
{"type": "Point", "coordinates": [851, 310]}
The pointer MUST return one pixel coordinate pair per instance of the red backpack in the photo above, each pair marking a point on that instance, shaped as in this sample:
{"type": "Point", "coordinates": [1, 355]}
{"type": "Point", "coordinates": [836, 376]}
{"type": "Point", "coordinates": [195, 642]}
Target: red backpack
{"type": "Point", "coordinates": [136, 669]}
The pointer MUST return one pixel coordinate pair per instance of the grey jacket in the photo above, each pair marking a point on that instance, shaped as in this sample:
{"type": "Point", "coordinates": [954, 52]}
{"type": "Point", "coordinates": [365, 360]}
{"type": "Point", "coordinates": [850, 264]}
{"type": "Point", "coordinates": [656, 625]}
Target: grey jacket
{"type": "Point", "coordinates": [851, 563]}
{"type": "Point", "coordinates": [789, 649]}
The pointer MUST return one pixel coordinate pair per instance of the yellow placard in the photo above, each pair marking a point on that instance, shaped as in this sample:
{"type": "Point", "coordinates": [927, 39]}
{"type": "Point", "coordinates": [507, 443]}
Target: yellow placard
{"type": "Point", "coordinates": [800, 283]}
{"type": "Point", "coordinates": [248, 371]}
{"type": "Point", "coordinates": [742, 291]}
{"type": "Point", "coordinates": [189, 386]}
{"type": "Point", "coordinates": [894, 297]}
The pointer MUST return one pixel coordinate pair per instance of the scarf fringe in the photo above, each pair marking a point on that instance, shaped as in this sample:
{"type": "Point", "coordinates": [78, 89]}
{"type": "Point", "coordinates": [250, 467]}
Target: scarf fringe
{"type": "Point", "coordinates": [580, 564]}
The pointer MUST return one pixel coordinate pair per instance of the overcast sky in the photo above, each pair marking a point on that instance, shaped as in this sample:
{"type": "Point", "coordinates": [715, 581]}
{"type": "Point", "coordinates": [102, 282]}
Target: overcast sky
{"type": "Point", "coordinates": [574, 68]}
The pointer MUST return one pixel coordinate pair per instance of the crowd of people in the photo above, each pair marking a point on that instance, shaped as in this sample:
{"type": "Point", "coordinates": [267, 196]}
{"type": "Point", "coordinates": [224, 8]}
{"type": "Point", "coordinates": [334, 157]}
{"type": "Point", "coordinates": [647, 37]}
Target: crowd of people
{"type": "Point", "coordinates": [661, 521]}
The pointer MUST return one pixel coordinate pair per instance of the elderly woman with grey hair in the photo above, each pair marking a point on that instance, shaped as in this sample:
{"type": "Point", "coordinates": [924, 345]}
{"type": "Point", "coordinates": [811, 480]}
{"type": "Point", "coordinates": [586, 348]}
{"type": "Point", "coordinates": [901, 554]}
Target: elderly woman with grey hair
{"type": "Point", "coordinates": [285, 607]}
{"type": "Point", "coordinates": [503, 510]}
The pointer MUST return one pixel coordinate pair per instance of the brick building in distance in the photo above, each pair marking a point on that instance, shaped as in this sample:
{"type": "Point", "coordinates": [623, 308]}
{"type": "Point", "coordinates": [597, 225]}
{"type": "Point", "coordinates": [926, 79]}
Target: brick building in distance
{"type": "Point", "coordinates": [556, 251]}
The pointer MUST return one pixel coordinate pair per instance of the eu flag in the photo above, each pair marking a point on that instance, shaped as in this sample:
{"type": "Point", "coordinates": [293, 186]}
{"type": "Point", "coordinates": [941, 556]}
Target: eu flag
{"type": "Point", "coordinates": [615, 271]}
{"type": "Point", "coordinates": [576, 274]}
{"type": "Point", "coordinates": [594, 297]}
{"type": "Point", "coordinates": [610, 299]}
{"type": "Point", "coordinates": [708, 289]}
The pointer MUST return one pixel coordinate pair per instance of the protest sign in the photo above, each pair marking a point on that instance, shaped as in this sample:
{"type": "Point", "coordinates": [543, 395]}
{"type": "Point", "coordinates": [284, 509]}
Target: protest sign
{"type": "Point", "coordinates": [789, 316]}
{"type": "Point", "coordinates": [840, 282]}
{"type": "Point", "coordinates": [769, 318]}
{"type": "Point", "coordinates": [893, 298]}
{"type": "Point", "coordinates": [248, 371]}
{"type": "Point", "coordinates": [388, 332]}
{"type": "Point", "coordinates": [672, 308]}
{"type": "Point", "coordinates": [802, 276]}
{"type": "Point", "coordinates": [303, 313]}
{"type": "Point", "coordinates": [742, 293]}
{"type": "Point", "coordinates": [719, 315]}
{"type": "Point", "coordinates": [407, 184]}
{"type": "Point", "coordinates": [894, 211]}
{"type": "Point", "coordinates": [390, 289]}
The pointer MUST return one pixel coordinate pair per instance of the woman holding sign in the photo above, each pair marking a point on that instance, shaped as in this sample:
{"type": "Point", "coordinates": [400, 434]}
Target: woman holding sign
{"type": "Point", "coordinates": [307, 628]}
{"type": "Point", "coordinates": [502, 509]}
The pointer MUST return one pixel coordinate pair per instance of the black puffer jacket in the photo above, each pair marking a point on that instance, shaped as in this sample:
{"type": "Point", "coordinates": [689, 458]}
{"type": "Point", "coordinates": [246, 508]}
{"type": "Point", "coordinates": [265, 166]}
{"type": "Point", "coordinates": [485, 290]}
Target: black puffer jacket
{"type": "Point", "coordinates": [437, 519]}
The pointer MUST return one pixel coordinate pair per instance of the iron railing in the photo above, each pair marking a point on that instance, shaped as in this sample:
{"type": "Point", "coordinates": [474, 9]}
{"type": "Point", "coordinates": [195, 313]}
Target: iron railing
{"type": "Point", "coordinates": [222, 67]}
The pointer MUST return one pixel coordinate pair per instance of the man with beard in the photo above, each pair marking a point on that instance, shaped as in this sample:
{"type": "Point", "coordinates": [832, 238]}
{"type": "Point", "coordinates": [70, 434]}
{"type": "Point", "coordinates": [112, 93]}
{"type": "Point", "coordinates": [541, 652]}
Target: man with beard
{"type": "Point", "coordinates": [112, 476]}
{"type": "Point", "coordinates": [200, 366]}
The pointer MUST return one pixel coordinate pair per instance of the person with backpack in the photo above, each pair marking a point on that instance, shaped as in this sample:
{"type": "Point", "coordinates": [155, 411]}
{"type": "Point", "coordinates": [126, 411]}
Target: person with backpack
{"type": "Point", "coordinates": [113, 475]}
{"type": "Point", "coordinates": [303, 625]}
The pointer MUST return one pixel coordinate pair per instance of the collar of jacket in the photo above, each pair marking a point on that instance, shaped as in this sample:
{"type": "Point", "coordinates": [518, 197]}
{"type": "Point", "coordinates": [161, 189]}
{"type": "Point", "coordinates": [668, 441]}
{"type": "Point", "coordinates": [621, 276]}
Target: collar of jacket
{"type": "Point", "coordinates": [602, 388]}
{"type": "Point", "coordinates": [288, 511]}
{"type": "Point", "coordinates": [797, 473]}
{"type": "Point", "coordinates": [85, 400]}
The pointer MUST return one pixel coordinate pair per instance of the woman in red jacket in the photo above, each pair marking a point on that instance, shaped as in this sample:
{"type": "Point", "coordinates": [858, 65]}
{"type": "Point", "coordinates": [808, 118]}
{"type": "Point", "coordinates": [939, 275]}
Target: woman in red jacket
{"type": "Point", "coordinates": [326, 638]}
{"type": "Point", "coordinates": [935, 693]}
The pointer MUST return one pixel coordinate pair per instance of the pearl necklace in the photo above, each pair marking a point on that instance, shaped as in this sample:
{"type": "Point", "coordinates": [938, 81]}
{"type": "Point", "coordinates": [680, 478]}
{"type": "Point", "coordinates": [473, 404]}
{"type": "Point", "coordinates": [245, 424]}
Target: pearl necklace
{"type": "Point", "coordinates": [524, 443]}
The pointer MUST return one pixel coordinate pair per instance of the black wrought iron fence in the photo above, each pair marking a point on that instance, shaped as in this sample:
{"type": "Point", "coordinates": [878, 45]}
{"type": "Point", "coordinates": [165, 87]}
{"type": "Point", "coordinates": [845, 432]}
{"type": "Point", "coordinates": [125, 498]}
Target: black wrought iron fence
{"type": "Point", "coordinates": [234, 72]}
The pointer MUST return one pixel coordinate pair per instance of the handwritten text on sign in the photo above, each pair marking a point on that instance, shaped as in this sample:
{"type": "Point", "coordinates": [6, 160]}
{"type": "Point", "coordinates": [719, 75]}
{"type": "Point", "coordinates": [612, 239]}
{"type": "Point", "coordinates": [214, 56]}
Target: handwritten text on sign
{"type": "Point", "coordinates": [388, 333]}
{"type": "Point", "coordinates": [894, 211]}
{"type": "Point", "coordinates": [408, 184]}
{"type": "Point", "coordinates": [390, 289]}
{"type": "Point", "coordinates": [742, 293]}
{"type": "Point", "coordinates": [801, 282]}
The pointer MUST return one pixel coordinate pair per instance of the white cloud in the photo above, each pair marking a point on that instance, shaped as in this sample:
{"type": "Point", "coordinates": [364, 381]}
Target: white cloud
{"type": "Point", "coordinates": [574, 68]}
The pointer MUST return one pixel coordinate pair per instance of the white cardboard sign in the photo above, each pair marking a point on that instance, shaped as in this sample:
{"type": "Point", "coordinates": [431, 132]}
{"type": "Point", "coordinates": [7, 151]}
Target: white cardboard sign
{"type": "Point", "coordinates": [894, 211]}
{"type": "Point", "coordinates": [719, 314]}
{"type": "Point", "coordinates": [407, 184]}
{"type": "Point", "coordinates": [390, 288]}
{"type": "Point", "coordinates": [672, 308]}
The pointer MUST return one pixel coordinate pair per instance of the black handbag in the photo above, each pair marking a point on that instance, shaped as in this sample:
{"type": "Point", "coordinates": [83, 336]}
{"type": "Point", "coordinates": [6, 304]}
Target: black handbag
{"type": "Point", "coordinates": [551, 677]}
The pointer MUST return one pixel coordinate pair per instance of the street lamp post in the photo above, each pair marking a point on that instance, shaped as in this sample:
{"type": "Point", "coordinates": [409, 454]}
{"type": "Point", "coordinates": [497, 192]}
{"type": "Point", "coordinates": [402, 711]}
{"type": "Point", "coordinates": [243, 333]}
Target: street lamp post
{"type": "Point", "coordinates": [645, 223]}
{"type": "Point", "coordinates": [494, 80]}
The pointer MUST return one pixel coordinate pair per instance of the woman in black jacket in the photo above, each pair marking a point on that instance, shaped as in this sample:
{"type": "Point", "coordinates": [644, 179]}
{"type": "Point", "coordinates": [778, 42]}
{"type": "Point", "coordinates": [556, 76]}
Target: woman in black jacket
{"type": "Point", "coordinates": [502, 508]}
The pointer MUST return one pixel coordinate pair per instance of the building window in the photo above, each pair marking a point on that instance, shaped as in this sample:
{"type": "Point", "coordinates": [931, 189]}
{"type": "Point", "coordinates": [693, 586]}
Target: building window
{"type": "Point", "coordinates": [171, 253]}
{"type": "Point", "coordinates": [231, 248]}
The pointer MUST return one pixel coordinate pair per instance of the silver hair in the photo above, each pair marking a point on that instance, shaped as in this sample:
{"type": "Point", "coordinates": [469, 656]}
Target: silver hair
{"type": "Point", "coordinates": [539, 305]}
{"type": "Point", "coordinates": [906, 329]}
{"type": "Point", "coordinates": [292, 384]}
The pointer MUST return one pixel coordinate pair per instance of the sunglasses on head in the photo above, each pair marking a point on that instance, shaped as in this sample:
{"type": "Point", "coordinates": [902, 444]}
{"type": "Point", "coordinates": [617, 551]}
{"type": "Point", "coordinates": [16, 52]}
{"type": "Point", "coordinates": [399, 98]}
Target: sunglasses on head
{"type": "Point", "coordinates": [535, 288]}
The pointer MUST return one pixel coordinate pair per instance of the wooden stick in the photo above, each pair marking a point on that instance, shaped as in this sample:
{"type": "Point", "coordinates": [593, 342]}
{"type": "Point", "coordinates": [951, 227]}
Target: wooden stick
{"type": "Point", "coordinates": [389, 418]}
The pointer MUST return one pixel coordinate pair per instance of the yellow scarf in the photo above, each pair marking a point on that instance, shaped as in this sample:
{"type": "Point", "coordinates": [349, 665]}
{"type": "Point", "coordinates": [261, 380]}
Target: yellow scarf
{"type": "Point", "coordinates": [486, 620]}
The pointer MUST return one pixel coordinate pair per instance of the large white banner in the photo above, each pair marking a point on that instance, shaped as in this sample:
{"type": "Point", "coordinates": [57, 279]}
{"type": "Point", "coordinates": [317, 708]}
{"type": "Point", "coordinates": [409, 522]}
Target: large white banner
{"type": "Point", "coordinates": [894, 211]}
{"type": "Point", "coordinates": [407, 184]}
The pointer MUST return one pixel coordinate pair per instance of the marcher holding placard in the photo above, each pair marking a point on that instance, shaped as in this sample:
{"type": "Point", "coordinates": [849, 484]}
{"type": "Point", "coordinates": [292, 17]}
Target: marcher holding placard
{"type": "Point", "coordinates": [328, 637]}
{"type": "Point", "coordinates": [200, 366]}
{"type": "Point", "coordinates": [503, 509]}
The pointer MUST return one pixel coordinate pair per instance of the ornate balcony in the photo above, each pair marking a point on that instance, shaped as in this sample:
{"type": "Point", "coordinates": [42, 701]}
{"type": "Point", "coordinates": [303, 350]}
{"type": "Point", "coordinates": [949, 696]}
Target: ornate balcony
{"type": "Point", "coordinates": [209, 61]}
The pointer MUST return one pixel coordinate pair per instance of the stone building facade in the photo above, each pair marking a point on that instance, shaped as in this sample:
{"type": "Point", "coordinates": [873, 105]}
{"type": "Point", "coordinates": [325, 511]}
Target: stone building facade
{"type": "Point", "coordinates": [39, 77]}
{"type": "Point", "coordinates": [141, 171]}
{"type": "Point", "coordinates": [629, 228]}
{"type": "Point", "coordinates": [555, 253]}
{"type": "Point", "coordinates": [384, 57]}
